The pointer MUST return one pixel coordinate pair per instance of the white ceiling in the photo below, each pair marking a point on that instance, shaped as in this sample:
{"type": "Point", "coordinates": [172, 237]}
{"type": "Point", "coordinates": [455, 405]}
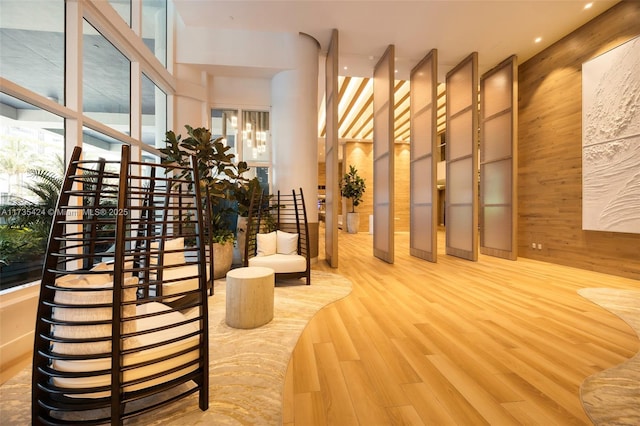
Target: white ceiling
{"type": "Point", "coordinates": [495, 29]}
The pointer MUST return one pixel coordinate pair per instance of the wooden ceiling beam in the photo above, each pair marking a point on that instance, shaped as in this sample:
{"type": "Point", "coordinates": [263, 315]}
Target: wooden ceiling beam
{"type": "Point", "coordinates": [341, 90]}
{"type": "Point", "coordinates": [405, 134]}
{"type": "Point", "coordinates": [399, 116]}
{"type": "Point", "coordinates": [354, 99]}
{"type": "Point", "coordinates": [365, 106]}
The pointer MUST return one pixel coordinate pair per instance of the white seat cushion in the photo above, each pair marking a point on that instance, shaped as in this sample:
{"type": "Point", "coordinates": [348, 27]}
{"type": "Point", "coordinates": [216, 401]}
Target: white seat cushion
{"type": "Point", "coordinates": [266, 244]}
{"type": "Point", "coordinates": [281, 263]}
{"type": "Point", "coordinates": [73, 293]}
{"type": "Point", "coordinates": [286, 242]}
{"type": "Point", "coordinates": [189, 281]}
{"type": "Point", "coordinates": [175, 255]}
{"type": "Point", "coordinates": [171, 317]}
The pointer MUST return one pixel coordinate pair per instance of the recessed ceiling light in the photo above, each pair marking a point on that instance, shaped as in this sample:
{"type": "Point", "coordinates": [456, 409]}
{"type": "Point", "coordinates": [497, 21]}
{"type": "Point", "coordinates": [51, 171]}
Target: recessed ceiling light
{"type": "Point", "coordinates": [396, 70]}
{"type": "Point", "coordinates": [588, 5]}
{"type": "Point", "coordinates": [538, 39]}
{"type": "Point", "coordinates": [344, 68]}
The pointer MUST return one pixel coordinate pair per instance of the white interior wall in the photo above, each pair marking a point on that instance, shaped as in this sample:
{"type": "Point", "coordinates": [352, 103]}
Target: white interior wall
{"type": "Point", "coordinates": [240, 92]}
{"type": "Point", "coordinates": [191, 103]}
{"type": "Point", "coordinates": [236, 48]}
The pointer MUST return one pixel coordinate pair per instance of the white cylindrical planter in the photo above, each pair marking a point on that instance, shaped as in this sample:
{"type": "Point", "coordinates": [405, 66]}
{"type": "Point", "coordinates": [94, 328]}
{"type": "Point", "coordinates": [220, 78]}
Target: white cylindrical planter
{"type": "Point", "coordinates": [249, 298]}
{"type": "Point", "coordinates": [222, 259]}
{"type": "Point", "coordinates": [353, 222]}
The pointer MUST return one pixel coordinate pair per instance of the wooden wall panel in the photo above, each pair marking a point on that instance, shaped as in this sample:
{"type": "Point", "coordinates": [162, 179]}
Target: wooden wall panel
{"type": "Point", "coordinates": [550, 151]}
{"type": "Point", "coordinates": [360, 155]}
{"type": "Point", "coordinates": [332, 176]}
{"type": "Point", "coordinates": [322, 174]}
{"type": "Point", "coordinates": [401, 187]}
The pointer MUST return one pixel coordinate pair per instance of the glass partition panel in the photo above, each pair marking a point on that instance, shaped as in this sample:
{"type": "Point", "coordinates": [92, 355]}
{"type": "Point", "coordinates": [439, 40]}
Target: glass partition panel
{"type": "Point", "coordinates": [460, 181]}
{"type": "Point", "coordinates": [106, 85]}
{"type": "Point", "coordinates": [383, 157]}
{"type": "Point", "coordinates": [32, 46]}
{"type": "Point", "coordinates": [498, 170]}
{"type": "Point", "coordinates": [423, 129]}
{"type": "Point", "coordinates": [462, 159]}
{"type": "Point", "coordinates": [497, 89]}
{"type": "Point", "coordinates": [497, 182]}
{"type": "Point", "coordinates": [31, 173]}
{"type": "Point", "coordinates": [460, 88]}
{"type": "Point", "coordinates": [422, 237]}
{"type": "Point", "coordinates": [497, 223]}
{"type": "Point", "coordinates": [460, 227]}
{"type": "Point", "coordinates": [460, 131]}
{"type": "Point", "coordinates": [422, 176]}
{"type": "Point", "coordinates": [497, 135]}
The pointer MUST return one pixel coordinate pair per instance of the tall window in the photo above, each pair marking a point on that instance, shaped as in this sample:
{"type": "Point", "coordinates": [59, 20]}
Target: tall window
{"type": "Point", "coordinates": [248, 135]}
{"type": "Point", "coordinates": [34, 35]}
{"type": "Point", "coordinates": [123, 7]}
{"type": "Point", "coordinates": [32, 45]}
{"type": "Point", "coordinates": [97, 145]}
{"type": "Point", "coordinates": [106, 88]}
{"type": "Point", "coordinates": [154, 27]}
{"type": "Point", "coordinates": [154, 113]}
{"type": "Point", "coordinates": [31, 170]}
{"type": "Point", "coordinates": [224, 124]}
{"type": "Point", "coordinates": [256, 136]}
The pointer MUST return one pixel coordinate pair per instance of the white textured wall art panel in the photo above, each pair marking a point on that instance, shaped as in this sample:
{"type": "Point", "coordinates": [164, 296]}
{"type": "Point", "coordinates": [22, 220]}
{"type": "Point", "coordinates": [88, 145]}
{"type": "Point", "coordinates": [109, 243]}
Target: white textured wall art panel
{"type": "Point", "coordinates": [611, 140]}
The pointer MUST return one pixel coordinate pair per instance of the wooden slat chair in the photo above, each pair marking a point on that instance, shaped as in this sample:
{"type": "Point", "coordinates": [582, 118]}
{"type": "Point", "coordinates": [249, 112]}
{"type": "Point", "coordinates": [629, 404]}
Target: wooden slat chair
{"type": "Point", "coordinates": [181, 277]}
{"type": "Point", "coordinates": [106, 347]}
{"type": "Point", "coordinates": [278, 235]}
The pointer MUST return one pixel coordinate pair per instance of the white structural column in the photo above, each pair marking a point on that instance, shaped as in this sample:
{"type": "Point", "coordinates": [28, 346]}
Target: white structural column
{"type": "Point", "coordinates": [294, 123]}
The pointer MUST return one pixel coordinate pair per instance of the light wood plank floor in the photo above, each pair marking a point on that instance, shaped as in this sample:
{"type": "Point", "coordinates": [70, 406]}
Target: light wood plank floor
{"type": "Point", "coordinates": [489, 342]}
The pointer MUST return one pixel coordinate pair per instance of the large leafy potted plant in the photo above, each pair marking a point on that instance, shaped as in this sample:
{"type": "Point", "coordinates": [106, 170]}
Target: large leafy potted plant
{"type": "Point", "coordinates": [25, 228]}
{"type": "Point", "coordinates": [219, 178]}
{"type": "Point", "coordinates": [352, 186]}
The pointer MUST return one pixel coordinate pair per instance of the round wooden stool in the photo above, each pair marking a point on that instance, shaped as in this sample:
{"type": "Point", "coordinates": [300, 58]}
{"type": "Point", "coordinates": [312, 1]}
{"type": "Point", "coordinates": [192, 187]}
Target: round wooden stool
{"type": "Point", "coordinates": [249, 300]}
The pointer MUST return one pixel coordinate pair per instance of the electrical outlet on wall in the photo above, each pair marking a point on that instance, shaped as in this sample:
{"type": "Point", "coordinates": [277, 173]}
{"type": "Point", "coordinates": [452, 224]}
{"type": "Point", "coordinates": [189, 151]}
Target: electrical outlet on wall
{"type": "Point", "coordinates": [533, 246]}
{"type": "Point", "coordinates": [539, 246]}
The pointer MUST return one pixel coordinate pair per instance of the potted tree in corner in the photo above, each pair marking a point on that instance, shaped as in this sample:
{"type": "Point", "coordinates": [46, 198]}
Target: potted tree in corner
{"type": "Point", "coordinates": [352, 186]}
